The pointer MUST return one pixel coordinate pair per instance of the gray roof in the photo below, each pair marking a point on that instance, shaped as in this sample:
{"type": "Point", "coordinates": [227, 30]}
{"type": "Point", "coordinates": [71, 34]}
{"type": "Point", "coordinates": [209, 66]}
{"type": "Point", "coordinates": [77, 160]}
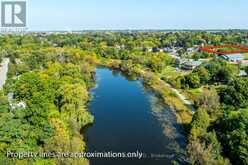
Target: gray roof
{"type": "Point", "coordinates": [193, 63]}
{"type": "Point", "coordinates": [242, 73]}
{"type": "Point", "coordinates": [234, 56]}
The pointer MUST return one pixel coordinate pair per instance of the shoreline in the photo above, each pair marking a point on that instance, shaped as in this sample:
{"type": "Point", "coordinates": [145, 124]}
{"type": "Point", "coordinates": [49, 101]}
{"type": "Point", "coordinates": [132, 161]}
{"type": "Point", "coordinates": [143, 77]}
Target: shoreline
{"type": "Point", "coordinates": [183, 109]}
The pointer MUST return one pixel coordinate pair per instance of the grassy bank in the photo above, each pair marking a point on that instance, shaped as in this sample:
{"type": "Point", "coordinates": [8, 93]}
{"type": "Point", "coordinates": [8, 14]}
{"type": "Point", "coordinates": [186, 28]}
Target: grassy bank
{"type": "Point", "coordinates": [153, 81]}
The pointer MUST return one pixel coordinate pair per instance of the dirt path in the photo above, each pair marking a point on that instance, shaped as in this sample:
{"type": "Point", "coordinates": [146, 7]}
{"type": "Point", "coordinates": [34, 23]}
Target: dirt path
{"type": "Point", "coordinates": [183, 98]}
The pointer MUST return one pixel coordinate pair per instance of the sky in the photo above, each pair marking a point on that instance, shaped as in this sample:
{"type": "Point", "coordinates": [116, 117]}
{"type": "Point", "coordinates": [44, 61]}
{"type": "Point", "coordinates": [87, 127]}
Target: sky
{"type": "Point", "coordinates": [51, 15]}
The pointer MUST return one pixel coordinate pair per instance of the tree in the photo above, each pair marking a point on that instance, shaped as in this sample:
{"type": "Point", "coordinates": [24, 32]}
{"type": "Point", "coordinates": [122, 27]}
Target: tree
{"type": "Point", "coordinates": [246, 69]}
{"type": "Point", "coordinates": [210, 101]}
{"type": "Point", "coordinates": [4, 103]}
{"type": "Point", "coordinates": [203, 147]}
{"type": "Point", "coordinates": [192, 80]}
{"type": "Point", "coordinates": [203, 74]}
{"type": "Point", "coordinates": [198, 153]}
{"type": "Point", "coordinates": [235, 94]}
{"type": "Point", "coordinates": [74, 95]}
{"type": "Point", "coordinates": [200, 123]}
{"type": "Point", "coordinates": [232, 131]}
{"type": "Point", "coordinates": [201, 153]}
{"type": "Point", "coordinates": [221, 71]}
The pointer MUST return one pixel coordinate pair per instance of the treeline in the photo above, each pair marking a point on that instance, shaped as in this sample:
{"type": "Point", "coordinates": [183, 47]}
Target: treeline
{"type": "Point", "coordinates": [219, 128]}
{"type": "Point", "coordinates": [48, 109]}
{"type": "Point", "coordinates": [120, 45]}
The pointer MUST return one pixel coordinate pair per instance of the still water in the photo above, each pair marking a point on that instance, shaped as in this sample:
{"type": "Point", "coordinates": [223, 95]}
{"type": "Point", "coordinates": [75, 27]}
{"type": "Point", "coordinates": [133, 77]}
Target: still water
{"type": "Point", "coordinates": [128, 118]}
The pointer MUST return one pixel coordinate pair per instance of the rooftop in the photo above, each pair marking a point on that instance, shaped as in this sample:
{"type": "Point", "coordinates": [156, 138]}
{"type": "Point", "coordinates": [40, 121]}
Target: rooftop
{"type": "Point", "coordinates": [234, 56]}
{"type": "Point", "coordinates": [242, 73]}
{"type": "Point", "coordinates": [193, 63]}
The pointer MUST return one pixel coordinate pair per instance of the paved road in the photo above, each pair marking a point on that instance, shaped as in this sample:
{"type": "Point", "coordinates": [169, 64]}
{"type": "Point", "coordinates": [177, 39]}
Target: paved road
{"type": "Point", "coordinates": [3, 71]}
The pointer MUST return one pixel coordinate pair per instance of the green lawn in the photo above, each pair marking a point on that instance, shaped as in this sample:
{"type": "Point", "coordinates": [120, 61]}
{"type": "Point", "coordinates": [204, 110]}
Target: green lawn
{"type": "Point", "coordinates": [246, 56]}
{"type": "Point", "coordinates": [192, 94]}
{"type": "Point", "coordinates": [169, 72]}
{"type": "Point", "coordinates": [195, 91]}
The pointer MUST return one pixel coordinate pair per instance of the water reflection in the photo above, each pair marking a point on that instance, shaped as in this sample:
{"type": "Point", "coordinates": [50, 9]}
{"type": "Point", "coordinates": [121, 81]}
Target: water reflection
{"type": "Point", "coordinates": [128, 118]}
{"type": "Point", "coordinates": [170, 128]}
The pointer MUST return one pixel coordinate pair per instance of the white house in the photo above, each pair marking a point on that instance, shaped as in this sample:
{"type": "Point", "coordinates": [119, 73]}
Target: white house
{"type": "Point", "coordinates": [233, 57]}
{"type": "Point", "coordinates": [190, 65]}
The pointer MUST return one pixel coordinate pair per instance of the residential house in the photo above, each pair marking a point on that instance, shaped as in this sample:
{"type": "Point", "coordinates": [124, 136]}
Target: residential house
{"type": "Point", "coordinates": [242, 73]}
{"type": "Point", "coordinates": [233, 57]}
{"type": "Point", "coordinates": [190, 65]}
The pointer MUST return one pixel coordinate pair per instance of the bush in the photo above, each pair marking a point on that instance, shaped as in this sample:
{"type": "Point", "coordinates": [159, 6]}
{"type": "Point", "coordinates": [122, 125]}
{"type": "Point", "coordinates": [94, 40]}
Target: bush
{"type": "Point", "coordinates": [235, 94]}
{"type": "Point", "coordinates": [192, 80]}
{"type": "Point", "coordinates": [209, 100]}
{"type": "Point", "coordinates": [233, 133]}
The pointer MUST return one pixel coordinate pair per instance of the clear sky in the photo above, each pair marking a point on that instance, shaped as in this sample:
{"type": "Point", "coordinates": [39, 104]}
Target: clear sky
{"type": "Point", "coordinates": [136, 14]}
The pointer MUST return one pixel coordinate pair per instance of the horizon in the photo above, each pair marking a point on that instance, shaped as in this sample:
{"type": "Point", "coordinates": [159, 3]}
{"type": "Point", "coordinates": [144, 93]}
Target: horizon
{"type": "Point", "coordinates": [130, 15]}
{"type": "Point", "coordinates": [139, 30]}
{"type": "Point", "coordinates": [28, 31]}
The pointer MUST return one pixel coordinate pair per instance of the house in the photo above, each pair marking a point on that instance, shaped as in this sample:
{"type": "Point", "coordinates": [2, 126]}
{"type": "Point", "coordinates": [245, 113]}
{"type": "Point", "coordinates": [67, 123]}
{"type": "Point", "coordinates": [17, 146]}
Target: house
{"type": "Point", "coordinates": [174, 54]}
{"type": "Point", "coordinates": [190, 50]}
{"type": "Point", "coordinates": [242, 73]}
{"type": "Point", "coordinates": [15, 105]}
{"type": "Point", "coordinates": [190, 65]}
{"type": "Point", "coordinates": [19, 105]}
{"type": "Point", "coordinates": [148, 49]}
{"type": "Point", "coordinates": [168, 49]}
{"type": "Point", "coordinates": [155, 49]}
{"type": "Point", "coordinates": [233, 57]}
{"type": "Point", "coordinates": [180, 61]}
{"type": "Point", "coordinates": [10, 96]}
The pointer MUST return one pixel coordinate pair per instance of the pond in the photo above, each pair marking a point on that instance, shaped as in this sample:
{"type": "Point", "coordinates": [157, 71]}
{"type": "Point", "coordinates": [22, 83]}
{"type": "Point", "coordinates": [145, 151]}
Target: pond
{"type": "Point", "coordinates": [129, 118]}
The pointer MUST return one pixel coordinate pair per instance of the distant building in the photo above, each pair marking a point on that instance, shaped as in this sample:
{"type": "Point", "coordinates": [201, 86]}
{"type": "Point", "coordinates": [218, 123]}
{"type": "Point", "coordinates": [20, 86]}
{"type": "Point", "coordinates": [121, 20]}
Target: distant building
{"type": "Point", "coordinates": [10, 96]}
{"type": "Point", "coordinates": [233, 57]}
{"type": "Point", "coordinates": [190, 65]}
{"type": "Point", "coordinates": [242, 73]}
{"type": "Point", "coordinates": [175, 54]}
{"type": "Point", "coordinates": [190, 50]}
{"type": "Point", "coordinates": [179, 61]}
{"type": "Point", "coordinates": [19, 105]}
{"type": "Point", "coordinates": [15, 105]}
{"type": "Point", "coordinates": [149, 49]}
{"type": "Point", "coordinates": [168, 49]}
{"type": "Point", "coordinates": [155, 49]}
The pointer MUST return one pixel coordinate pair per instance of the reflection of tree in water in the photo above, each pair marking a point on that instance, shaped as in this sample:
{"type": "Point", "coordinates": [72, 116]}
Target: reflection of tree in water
{"type": "Point", "coordinates": [128, 76]}
{"type": "Point", "coordinates": [172, 131]}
